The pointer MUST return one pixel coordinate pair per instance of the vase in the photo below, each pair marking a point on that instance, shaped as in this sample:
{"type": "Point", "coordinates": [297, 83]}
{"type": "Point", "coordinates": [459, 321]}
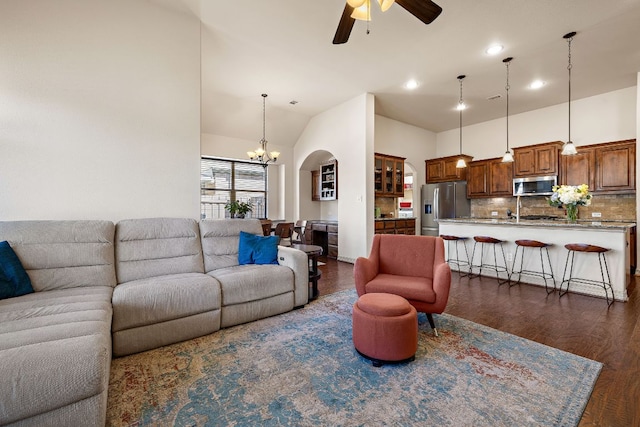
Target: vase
{"type": "Point", "coordinates": [572, 213]}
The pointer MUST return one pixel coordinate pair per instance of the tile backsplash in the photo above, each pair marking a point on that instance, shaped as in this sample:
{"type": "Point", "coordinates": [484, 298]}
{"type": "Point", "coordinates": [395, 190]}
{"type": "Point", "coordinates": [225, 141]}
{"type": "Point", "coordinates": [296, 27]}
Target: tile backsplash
{"type": "Point", "coordinates": [611, 207]}
{"type": "Point", "coordinates": [387, 206]}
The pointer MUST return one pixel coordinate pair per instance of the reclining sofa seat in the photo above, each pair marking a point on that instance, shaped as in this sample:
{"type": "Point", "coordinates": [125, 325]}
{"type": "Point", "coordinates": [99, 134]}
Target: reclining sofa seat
{"type": "Point", "coordinates": [250, 292]}
{"type": "Point", "coordinates": [55, 343]}
{"type": "Point", "coordinates": [163, 295]}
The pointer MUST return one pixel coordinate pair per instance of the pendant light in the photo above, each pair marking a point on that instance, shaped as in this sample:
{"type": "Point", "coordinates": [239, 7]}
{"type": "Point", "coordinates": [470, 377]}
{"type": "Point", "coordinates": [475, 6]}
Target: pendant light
{"type": "Point", "coordinates": [261, 154]}
{"type": "Point", "coordinates": [569, 149]}
{"type": "Point", "coordinates": [508, 157]}
{"type": "Point", "coordinates": [461, 163]}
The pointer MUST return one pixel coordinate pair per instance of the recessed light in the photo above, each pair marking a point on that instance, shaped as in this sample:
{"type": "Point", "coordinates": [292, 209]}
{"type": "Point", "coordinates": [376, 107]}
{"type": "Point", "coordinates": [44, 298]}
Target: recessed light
{"type": "Point", "coordinates": [293, 102]}
{"type": "Point", "coordinates": [494, 49]}
{"type": "Point", "coordinates": [411, 84]}
{"type": "Point", "coordinates": [537, 84]}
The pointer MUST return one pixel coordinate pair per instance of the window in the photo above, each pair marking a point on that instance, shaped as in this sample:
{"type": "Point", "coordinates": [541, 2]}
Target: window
{"type": "Point", "coordinates": [224, 180]}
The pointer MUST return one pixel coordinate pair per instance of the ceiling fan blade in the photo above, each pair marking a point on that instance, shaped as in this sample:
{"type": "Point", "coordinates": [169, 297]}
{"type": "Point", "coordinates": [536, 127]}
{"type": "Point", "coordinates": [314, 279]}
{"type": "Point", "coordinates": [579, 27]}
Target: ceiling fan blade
{"type": "Point", "coordinates": [344, 26]}
{"type": "Point", "coordinates": [424, 10]}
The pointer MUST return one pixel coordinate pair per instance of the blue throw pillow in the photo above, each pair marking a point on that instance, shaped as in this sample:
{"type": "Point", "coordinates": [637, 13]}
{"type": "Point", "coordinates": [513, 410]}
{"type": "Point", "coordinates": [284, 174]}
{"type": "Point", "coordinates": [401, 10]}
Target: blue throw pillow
{"type": "Point", "coordinates": [14, 280]}
{"type": "Point", "coordinates": [255, 249]}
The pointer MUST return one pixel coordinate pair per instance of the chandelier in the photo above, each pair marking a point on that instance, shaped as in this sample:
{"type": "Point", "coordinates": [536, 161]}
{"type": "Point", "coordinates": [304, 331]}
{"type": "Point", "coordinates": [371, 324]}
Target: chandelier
{"type": "Point", "coordinates": [261, 155]}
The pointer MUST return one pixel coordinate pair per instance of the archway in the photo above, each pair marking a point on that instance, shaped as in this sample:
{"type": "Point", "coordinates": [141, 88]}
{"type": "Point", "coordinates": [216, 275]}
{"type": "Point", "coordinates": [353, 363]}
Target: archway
{"type": "Point", "coordinates": [311, 209]}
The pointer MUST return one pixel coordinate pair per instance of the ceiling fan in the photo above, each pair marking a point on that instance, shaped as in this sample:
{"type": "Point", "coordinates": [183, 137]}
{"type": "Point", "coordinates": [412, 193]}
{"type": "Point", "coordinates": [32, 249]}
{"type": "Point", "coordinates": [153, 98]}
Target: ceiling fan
{"type": "Point", "coordinates": [424, 10]}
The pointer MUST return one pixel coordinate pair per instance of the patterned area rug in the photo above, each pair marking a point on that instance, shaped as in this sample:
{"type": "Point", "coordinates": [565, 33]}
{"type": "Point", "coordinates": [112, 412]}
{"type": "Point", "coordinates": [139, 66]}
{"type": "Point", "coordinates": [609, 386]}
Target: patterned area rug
{"type": "Point", "coordinates": [300, 369]}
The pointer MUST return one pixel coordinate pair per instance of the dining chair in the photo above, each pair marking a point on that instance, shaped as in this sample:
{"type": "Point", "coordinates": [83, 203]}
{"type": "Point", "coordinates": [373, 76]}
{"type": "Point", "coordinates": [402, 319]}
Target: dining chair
{"type": "Point", "coordinates": [266, 227]}
{"type": "Point", "coordinates": [284, 230]}
{"type": "Point", "coordinates": [299, 228]}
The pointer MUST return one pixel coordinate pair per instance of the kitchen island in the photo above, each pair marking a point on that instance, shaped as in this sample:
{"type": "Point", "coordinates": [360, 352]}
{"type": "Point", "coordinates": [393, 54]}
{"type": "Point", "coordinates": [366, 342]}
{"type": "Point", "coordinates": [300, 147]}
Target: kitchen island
{"type": "Point", "coordinates": [612, 235]}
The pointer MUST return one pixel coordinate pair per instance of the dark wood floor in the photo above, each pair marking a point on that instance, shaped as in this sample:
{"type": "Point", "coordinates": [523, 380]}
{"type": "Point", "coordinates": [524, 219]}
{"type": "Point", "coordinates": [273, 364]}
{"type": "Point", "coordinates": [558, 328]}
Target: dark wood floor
{"type": "Point", "coordinates": [575, 323]}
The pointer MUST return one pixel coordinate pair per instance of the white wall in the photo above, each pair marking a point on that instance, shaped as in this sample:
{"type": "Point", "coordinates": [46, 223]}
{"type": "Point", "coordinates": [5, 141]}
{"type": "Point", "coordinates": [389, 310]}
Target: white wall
{"type": "Point", "coordinates": [415, 144]}
{"type": "Point", "coordinates": [347, 132]}
{"type": "Point", "coordinates": [608, 117]}
{"type": "Point", "coordinates": [279, 175]}
{"type": "Point", "coordinates": [99, 118]}
{"type": "Point", "coordinates": [400, 139]}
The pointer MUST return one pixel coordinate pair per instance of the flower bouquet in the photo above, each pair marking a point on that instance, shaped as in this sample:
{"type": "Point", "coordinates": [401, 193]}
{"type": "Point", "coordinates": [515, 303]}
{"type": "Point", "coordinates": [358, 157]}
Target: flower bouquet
{"type": "Point", "coordinates": [570, 196]}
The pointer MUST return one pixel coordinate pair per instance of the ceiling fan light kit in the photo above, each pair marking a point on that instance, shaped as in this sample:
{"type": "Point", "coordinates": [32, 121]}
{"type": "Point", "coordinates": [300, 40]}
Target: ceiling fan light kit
{"type": "Point", "coordinates": [261, 155]}
{"type": "Point", "coordinates": [425, 10]}
{"type": "Point", "coordinates": [569, 149]}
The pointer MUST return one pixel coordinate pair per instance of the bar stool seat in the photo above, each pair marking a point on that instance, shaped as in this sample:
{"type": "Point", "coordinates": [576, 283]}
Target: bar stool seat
{"type": "Point", "coordinates": [487, 240]}
{"type": "Point", "coordinates": [457, 261]}
{"type": "Point", "coordinates": [533, 244]}
{"type": "Point", "coordinates": [602, 260]}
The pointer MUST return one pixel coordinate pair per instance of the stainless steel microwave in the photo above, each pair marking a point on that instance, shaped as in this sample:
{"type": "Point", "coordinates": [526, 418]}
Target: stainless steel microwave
{"type": "Point", "coordinates": [534, 186]}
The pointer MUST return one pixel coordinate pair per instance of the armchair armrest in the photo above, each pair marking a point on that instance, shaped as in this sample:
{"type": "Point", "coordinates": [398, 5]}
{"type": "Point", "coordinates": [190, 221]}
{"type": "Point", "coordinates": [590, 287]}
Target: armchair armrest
{"type": "Point", "coordinates": [441, 285]}
{"type": "Point", "coordinates": [297, 261]}
{"type": "Point", "coordinates": [364, 270]}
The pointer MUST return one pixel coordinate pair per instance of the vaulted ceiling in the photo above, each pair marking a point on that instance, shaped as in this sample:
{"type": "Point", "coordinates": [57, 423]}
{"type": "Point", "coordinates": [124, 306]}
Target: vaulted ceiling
{"type": "Point", "coordinates": [284, 48]}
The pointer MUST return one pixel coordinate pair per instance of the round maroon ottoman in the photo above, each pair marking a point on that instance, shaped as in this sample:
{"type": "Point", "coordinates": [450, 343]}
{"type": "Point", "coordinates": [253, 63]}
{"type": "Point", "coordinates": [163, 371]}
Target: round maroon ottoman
{"type": "Point", "coordinates": [385, 328]}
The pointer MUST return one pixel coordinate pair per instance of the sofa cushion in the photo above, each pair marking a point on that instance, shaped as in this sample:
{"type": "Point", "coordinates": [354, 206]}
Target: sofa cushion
{"type": "Point", "coordinates": [254, 249]}
{"type": "Point", "coordinates": [14, 280]}
{"type": "Point", "coordinates": [220, 240]}
{"type": "Point", "coordinates": [63, 254]}
{"type": "Point", "coordinates": [159, 299]}
{"type": "Point", "coordinates": [156, 247]}
{"type": "Point", "coordinates": [244, 283]}
{"type": "Point", "coordinates": [55, 349]}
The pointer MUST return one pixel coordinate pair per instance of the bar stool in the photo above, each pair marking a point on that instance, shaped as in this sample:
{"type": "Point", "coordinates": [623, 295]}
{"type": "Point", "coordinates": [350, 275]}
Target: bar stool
{"type": "Point", "coordinates": [586, 248]}
{"type": "Point", "coordinates": [533, 244]}
{"type": "Point", "coordinates": [459, 262]}
{"type": "Point", "coordinates": [486, 240]}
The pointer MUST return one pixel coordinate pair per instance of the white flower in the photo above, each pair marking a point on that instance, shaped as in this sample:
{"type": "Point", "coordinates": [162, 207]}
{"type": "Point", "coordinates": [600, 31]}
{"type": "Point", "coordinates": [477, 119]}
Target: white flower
{"type": "Point", "coordinates": [570, 195]}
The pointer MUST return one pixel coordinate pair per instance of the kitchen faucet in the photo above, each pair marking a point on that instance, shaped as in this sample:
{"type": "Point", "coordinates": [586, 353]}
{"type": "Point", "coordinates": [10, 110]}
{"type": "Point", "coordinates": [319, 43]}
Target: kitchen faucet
{"type": "Point", "coordinates": [518, 206]}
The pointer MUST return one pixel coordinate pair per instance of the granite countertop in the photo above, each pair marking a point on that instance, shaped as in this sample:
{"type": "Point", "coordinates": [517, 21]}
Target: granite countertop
{"type": "Point", "coordinates": [544, 223]}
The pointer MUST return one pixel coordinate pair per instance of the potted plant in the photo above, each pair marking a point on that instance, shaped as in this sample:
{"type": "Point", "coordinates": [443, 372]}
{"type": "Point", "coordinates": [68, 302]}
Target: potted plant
{"type": "Point", "coordinates": [238, 209]}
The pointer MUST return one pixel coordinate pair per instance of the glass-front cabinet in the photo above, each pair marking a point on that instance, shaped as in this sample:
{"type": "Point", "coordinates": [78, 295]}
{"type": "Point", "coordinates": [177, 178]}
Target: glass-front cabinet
{"type": "Point", "coordinates": [377, 179]}
{"type": "Point", "coordinates": [388, 175]}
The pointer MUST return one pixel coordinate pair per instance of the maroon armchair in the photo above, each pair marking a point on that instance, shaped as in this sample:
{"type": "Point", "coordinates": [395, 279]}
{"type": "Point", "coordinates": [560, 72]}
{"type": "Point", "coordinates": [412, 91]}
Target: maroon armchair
{"type": "Point", "coordinates": [410, 266]}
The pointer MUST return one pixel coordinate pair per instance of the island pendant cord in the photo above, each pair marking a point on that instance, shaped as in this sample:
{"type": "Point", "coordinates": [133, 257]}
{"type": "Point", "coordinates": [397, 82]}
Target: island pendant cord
{"type": "Point", "coordinates": [461, 163]}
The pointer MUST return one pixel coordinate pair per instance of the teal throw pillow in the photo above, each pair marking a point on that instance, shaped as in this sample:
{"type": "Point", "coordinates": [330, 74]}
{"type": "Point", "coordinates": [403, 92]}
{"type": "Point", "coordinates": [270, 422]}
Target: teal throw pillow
{"type": "Point", "coordinates": [14, 280]}
{"type": "Point", "coordinates": [254, 249]}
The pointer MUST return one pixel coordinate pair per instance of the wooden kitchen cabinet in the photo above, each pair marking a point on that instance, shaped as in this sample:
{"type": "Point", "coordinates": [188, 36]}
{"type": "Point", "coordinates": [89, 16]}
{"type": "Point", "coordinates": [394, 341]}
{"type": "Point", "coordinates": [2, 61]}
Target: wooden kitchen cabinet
{"type": "Point", "coordinates": [500, 178]}
{"type": "Point", "coordinates": [536, 160]}
{"type": "Point", "coordinates": [388, 175]}
{"type": "Point", "coordinates": [579, 168]}
{"type": "Point", "coordinates": [489, 178]}
{"type": "Point", "coordinates": [615, 167]}
{"type": "Point", "coordinates": [315, 186]}
{"type": "Point", "coordinates": [477, 179]}
{"type": "Point", "coordinates": [608, 168]}
{"type": "Point", "coordinates": [395, 226]}
{"type": "Point", "coordinates": [443, 169]}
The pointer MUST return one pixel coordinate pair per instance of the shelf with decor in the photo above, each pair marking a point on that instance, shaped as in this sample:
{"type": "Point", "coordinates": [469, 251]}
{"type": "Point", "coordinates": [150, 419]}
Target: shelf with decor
{"type": "Point", "coordinates": [329, 180]}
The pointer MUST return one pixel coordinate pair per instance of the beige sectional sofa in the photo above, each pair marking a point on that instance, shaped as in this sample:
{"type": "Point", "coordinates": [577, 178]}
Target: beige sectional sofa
{"type": "Point", "coordinates": [135, 285]}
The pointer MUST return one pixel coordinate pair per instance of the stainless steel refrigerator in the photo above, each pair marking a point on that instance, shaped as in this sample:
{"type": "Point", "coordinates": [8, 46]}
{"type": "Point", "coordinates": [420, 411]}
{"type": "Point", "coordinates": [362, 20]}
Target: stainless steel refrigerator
{"type": "Point", "coordinates": [443, 200]}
